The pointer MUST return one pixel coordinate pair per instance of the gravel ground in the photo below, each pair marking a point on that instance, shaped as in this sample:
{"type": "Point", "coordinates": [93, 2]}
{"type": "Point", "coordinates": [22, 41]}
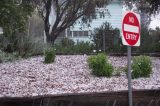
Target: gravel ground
{"type": "Point", "coordinates": [69, 74]}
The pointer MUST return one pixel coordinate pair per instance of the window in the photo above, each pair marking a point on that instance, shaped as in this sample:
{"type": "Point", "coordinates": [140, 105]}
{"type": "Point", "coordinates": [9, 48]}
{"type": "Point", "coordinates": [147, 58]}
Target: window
{"type": "Point", "coordinates": [75, 33]}
{"type": "Point", "coordinates": [80, 33]}
{"type": "Point", "coordinates": [85, 33]}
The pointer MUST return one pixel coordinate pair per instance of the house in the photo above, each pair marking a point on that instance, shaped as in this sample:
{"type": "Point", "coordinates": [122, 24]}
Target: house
{"type": "Point", "coordinates": [113, 15]}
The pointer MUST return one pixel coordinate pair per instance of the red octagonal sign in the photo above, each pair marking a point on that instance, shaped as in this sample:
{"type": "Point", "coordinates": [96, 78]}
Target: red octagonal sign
{"type": "Point", "coordinates": [131, 29]}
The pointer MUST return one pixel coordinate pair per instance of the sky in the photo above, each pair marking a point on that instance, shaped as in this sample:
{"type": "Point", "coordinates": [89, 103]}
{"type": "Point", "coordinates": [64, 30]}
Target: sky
{"type": "Point", "coordinates": [155, 22]}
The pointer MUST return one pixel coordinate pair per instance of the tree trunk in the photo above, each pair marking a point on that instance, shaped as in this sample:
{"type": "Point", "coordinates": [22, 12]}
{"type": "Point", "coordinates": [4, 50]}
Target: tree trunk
{"type": "Point", "coordinates": [51, 38]}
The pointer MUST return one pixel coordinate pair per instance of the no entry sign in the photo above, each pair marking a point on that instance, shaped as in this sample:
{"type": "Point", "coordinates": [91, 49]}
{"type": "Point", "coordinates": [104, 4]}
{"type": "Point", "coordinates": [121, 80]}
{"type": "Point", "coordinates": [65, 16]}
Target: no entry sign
{"type": "Point", "coordinates": [131, 29]}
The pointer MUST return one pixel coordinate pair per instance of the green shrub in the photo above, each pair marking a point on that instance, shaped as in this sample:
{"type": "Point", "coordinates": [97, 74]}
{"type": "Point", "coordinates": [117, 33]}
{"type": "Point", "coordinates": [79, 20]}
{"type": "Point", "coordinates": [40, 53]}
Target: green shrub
{"type": "Point", "coordinates": [30, 46]}
{"type": "Point", "coordinates": [49, 55]}
{"type": "Point", "coordinates": [77, 48]}
{"type": "Point", "coordinates": [37, 48]}
{"type": "Point", "coordinates": [8, 57]}
{"type": "Point", "coordinates": [83, 47]}
{"type": "Point", "coordinates": [100, 65]}
{"type": "Point", "coordinates": [25, 46]}
{"type": "Point", "coordinates": [66, 42]}
{"type": "Point", "coordinates": [141, 67]}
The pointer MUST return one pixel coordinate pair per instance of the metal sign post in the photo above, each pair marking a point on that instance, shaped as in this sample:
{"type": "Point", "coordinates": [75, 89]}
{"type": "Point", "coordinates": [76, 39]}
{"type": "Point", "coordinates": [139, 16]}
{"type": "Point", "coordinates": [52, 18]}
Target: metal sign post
{"type": "Point", "coordinates": [129, 76]}
{"type": "Point", "coordinates": [130, 37]}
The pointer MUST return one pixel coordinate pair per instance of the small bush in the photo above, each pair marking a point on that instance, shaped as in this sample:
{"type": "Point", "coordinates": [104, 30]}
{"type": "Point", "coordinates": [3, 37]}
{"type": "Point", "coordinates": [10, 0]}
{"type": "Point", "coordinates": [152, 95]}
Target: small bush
{"type": "Point", "coordinates": [30, 46]}
{"type": "Point", "coordinates": [83, 47]}
{"type": "Point", "coordinates": [71, 48]}
{"type": "Point", "coordinates": [49, 55]}
{"type": "Point", "coordinates": [8, 57]}
{"type": "Point", "coordinates": [141, 67]}
{"type": "Point", "coordinates": [100, 66]}
{"type": "Point", "coordinates": [37, 48]}
{"type": "Point", "coordinates": [24, 46]}
{"type": "Point", "coordinates": [67, 42]}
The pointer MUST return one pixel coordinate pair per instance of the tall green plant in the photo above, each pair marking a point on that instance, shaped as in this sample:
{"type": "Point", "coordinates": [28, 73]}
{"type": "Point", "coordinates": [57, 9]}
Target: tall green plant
{"type": "Point", "coordinates": [108, 37]}
{"type": "Point", "coordinates": [83, 48]}
{"type": "Point", "coordinates": [68, 46]}
{"type": "Point", "coordinates": [13, 18]}
{"type": "Point", "coordinates": [49, 55]}
{"type": "Point", "coordinates": [146, 39]}
{"type": "Point", "coordinates": [100, 65]}
{"type": "Point", "coordinates": [14, 15]}
{"type": "Point", "coordinates": [65, 42]}
{"type": "Point", "coordinates": [141, 66]}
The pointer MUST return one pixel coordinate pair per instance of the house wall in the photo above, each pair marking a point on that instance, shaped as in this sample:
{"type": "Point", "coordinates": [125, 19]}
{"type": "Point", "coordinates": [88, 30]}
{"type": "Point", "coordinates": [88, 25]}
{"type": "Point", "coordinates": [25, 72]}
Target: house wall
{"type": "Point", "coordinates": [114, 18]}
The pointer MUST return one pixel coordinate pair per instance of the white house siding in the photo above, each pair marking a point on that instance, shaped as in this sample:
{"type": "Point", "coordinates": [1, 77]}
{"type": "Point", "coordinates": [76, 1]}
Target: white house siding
{"type": "Point", "coordinates": [115, 17]}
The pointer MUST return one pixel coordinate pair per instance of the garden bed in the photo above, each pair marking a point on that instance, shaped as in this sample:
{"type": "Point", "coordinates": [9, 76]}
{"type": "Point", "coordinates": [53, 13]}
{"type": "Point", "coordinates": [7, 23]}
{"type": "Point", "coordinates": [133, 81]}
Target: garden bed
{"type": "Point", "coordinates": [69, 74]}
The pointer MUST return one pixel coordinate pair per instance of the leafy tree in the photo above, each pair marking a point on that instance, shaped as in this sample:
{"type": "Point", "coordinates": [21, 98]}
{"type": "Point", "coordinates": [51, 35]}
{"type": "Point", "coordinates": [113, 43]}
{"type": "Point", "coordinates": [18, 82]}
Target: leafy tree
{"type": "Point", "coordinates": [108, 37]}
{"type": "Point", "coordinates": [155, 39]}
{"type": "Point", "coordinates": [147, 6]}
{"type": "Point", "coordinates": [150, 6]}
{"type": "Point", "coordinates": [146, 40]}
{"type": "Point", "coordinates": [13, 17]}
{"type": "Point", "coordinates": [64, 13]}
{"type": "Point", "coordinates": [150, 41]}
